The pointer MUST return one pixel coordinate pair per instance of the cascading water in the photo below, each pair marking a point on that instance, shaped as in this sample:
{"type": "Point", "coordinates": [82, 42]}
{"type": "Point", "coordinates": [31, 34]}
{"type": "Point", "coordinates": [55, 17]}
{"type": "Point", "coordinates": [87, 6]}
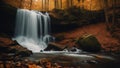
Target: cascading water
{"type": "Point", "coordinates": [32, 29]}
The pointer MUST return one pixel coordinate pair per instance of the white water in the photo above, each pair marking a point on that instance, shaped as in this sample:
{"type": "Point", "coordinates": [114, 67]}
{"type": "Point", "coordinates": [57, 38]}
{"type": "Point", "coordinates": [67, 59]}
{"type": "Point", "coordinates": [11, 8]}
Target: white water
{"type": "Point", "coordinates": [32, 29]}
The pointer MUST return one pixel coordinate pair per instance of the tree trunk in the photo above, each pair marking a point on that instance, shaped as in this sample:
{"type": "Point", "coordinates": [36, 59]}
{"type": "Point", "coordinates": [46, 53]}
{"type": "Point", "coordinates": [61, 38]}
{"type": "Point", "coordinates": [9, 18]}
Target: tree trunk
{"type": "Point", "coordinates": [106, 13]}
{"type": "Point", "coordinates": [113, 14]}
{"type": "Point", "coordinates": [90, 5]}
{"type": "Point", "coordinates": [101, 4]}
{"type": "Point", "coordinates": [82, 4]}
{"type": "Point", "coordinates": [20, 6]}
{"type": "Point", "coordinates": [55, 4]}
{"type": "Point", "coordinates": [48, 5]}
{"type": "Point", "coordinates": [60, 4]}
{"type": "Point", "coordinates": [42, 5]}
{"type": "Point", "coordinates": [71, 3]}
{"type": "Point", "coordinates": [67, 3]}
{"type": "Point", "coordinates": [31, 4]}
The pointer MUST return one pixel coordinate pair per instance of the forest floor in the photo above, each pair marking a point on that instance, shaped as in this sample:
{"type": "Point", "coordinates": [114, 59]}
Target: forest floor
{"type": "Point", "coordinates": [98, 30]}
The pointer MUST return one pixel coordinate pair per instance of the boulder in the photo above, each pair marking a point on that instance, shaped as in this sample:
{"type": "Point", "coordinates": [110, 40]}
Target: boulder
{"type": "Point", "coordinates": [7, 45]}
{"type": "Point", "coordinates": [89, 43]}
{"type": "Point", "coordinates": [19, 50]}
{"type": "Point", "coordinates": [55, 47]}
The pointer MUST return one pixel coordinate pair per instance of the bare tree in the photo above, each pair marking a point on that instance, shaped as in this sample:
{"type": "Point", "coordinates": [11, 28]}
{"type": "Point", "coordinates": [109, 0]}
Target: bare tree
{"type": "Point", "coordinates": [90, 4]}
{"type": "Point", "coordinates": [106, 13]}
{"type": "Point", "coordinates": [31, 1]}
{"type": "Point", "coordinates": [113, 13]}
{"type": "Point", "coordinates": [71, 2]}
{"type": "Point", "coordinates": [42, 5]}
{"type": "Point", "coordinates": [61, 4]}
{"type": "Point", "coordinates": [48, 5]}
{"type": "Point", "coordinates": [57, 5]}
{"type": "Point", "coordinates": [79, 0]}
{"type": "Point", "coordinates": [82, 4]}
{"type": "Point", "coordinates": [67, 3]}
{"type": "Point", "coordinates": [55, 1]}
{"type": "Point", "coordinates": [101, 4]}
{"type": "Point", "coordinates": [20, 5]}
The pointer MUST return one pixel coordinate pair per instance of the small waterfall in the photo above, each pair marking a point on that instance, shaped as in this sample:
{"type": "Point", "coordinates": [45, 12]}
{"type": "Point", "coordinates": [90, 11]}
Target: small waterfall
{"type": "Point", "coordinates": [32, 29]}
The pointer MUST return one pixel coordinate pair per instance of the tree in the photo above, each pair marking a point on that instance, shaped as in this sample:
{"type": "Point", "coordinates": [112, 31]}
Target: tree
{"type": "Point", "coordinates": [82, 3]}
{"type": "Point", "coordinates": [67, 3]}
{"type": "Point", "coordinates": [58, 4]}
{"type": "Point", "coordinates": [42, 4]}
{"type": "Point", "coordinates": [71, 2]}
{"type": "Point", "coordinates": [20, 5]}
{"type": "Point", "coordinates": [106, 13]}
{"type": "Point", "coordinates": [90, 4]}
{"type": "Point", "coordinates": [31, 4]}
{"type": "Point", "coordinates": [61, 4]}
{"type": "Point", "coordinates": [101, 4]}
{"type": "Point", "coordinates": [55, 1]}
{"type": "Point", "coordinates": [48, 5]}
{"type": "Point", "coordinates": [113, 13]}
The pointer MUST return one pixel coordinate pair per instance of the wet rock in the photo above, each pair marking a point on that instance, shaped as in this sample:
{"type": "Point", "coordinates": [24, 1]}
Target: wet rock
{"type": "Point", "coordinates": [32, 65]}
{"type": "Point", "coordinates": [89, 43]}
{"type": "Point", "coordinates": [18, 64]}
{"type": "Point", "coordinates": [44, 62]}
{"type": "Point", "coordinates": [19, 50]}
{"type": "Point", "coordinates": [24, 53]}
{"type": "Point", "coordinates": [55, 47]}
{"type": "Point", "coordinates": [14, 43]}
{"type": "Point", "coordinates": [92, 62]}
{"type": "Point", "coordinates": [7, 45]}
{"type": "Point", "coordinates": [56, 65]}
{"type": "Point", "coordinates": [73, 49]}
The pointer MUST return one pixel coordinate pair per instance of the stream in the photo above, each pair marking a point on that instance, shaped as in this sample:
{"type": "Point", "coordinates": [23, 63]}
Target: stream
{"type": "Point", "coordinates": [78, 60]}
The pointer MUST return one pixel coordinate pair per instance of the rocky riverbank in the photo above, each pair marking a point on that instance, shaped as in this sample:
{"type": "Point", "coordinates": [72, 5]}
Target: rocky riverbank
{"type": "Point", "coordinates": [63, 60]}
{"type": "Point", "coordinates": [9, 47]}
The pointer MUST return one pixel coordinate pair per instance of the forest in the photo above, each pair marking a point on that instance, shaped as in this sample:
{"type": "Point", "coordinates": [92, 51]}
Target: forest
{"type": "Point", "coordinates": [59, 33]}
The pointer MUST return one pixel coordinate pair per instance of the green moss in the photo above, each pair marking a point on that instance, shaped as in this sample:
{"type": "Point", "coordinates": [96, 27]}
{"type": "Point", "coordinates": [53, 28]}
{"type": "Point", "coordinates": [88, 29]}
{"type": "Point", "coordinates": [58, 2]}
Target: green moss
{"type": "Point", "coordinates": [89, 43]}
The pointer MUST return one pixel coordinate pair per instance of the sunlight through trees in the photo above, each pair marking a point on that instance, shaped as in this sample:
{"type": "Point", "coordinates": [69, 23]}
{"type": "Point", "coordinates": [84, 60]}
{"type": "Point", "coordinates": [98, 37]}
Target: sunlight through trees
{"type": "Point", "coordinates": [47, 5]}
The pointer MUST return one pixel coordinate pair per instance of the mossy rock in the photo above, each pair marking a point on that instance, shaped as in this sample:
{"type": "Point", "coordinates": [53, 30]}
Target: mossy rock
{"type": "Point", "coordinates": [89, 43]}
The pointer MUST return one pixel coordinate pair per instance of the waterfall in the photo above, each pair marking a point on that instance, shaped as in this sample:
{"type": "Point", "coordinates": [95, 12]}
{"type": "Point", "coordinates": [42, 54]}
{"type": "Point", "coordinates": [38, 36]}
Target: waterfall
{"type": "Point", "coordinates": [32, 29]}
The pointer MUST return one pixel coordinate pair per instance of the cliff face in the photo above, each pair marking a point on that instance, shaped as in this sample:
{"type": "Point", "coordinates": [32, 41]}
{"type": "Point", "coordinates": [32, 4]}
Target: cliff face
{"type": "Point", "coordinates": [45, 5]}
{"type": "Point", "coordinates": [7, 18]}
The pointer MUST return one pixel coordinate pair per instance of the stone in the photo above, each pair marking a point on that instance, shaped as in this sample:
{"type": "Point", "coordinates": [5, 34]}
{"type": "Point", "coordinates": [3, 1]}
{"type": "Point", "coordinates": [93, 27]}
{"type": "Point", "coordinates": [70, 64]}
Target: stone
{"type": "Point", "coordinates": [7, 45]}
{"type": "Point", "coordinates": [24, 53]}
{"type": "Point", "coordinates": [89, 43]}
{"type": "Point", "coordinates": [92, 62]}
{"type": "Point", "coordinates": [55, 47]}
{"type": "Point", "coordinates": [18, 64]}
{"type": "Point", "coordinates": [56, 65]}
